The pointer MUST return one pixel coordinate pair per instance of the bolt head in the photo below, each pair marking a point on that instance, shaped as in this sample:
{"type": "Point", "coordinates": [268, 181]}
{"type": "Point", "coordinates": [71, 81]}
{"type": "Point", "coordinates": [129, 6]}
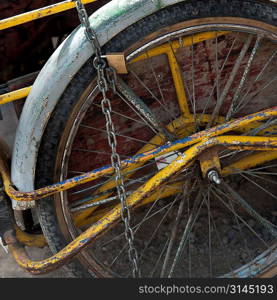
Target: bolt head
{"type": "Point", "coordinates": [213, 176]}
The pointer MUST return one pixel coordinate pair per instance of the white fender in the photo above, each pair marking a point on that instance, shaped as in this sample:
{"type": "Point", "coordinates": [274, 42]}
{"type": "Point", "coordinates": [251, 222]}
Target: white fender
{"type": "Point", "coordinates": [57, 73]}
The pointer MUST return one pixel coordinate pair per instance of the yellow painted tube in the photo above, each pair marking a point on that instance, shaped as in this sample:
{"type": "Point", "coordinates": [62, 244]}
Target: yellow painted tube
{"type": "Point", "coordinates": [176, 44]}
{"type": "Point", "coordinates": [154, 183]}
{"type": "Point", "coordinates": [98, 173]}
{"type": "Point", "coordinates": [243, 164]}
{"type": "Point", "coordinates": [249, 162]}
{"type": "Point", "coordinates": [39, 13]}
{"type": "Point", "coordinates": [179, 85]}
{"type": "Point", "coordinates": [15, 95]}
{"type": "Point", "coordinates": [30, 240]}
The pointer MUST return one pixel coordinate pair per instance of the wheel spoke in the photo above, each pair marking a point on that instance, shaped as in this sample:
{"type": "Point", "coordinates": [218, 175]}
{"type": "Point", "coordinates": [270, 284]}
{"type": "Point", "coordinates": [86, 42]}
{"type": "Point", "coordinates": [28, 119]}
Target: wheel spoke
{"type": "Point", "coordinates": [269, 226]}
{"type": "Point", "coordinates": [242, 235]}
{"type": "Point", "coordinates": [199, 200]}
{"type": "Point", "coordinates": [260, 177]}
{"type": "Point", "coordinates": [173, 234]}
{"type": "Point", "coordinates": [209, 229]}
{"type": "Point", "coordinates": [220, 72]}
{"type": "Point", "coordinates": [258, 185]}
{"type": "Point", "coordinates": [120, 135]}
{"type": "Point", "coordinates": [257, 93]}
{"type": "Point", "coordinates": [265, 167]}
{"type": "Point", "coordinates": [142, 109]}
{"type": "Point", "coordinates": [230, 81]}
{"type": "Point", "coordinates": [178, 83]}
{"type": "Point", "coordinates": [173, 117]}
{"type": "Point", "coordinates": [223, 247]}
{"type": "Point", "coordinates": [157, 81]}
{"type": "Point", "coordinates": [124, 116]}
{"type": "Point", "coordinates": [236, 214]}
{"type": "Point", "coordinates": [159, 258]}
{"type": "Point", "coordinates": [257, 77]}
{"type": "Point", "coordinates": [234, 103]}
{"type": "Point", "coordinates": [153, 234]}
{"type": "Point", "coordinates": [137, 226]}
{"type": "Point", "coordinates": [158, 226]}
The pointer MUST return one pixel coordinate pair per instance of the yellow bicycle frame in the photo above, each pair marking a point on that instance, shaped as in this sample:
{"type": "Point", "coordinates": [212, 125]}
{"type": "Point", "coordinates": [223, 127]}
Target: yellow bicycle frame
{"type": "Point", "coordinates": [197, 143]}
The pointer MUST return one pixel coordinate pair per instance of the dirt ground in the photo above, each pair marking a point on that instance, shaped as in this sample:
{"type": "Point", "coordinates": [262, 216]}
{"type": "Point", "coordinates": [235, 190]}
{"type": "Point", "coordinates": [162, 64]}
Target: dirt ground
{"type": "Point", "coordinates": [9, 268]}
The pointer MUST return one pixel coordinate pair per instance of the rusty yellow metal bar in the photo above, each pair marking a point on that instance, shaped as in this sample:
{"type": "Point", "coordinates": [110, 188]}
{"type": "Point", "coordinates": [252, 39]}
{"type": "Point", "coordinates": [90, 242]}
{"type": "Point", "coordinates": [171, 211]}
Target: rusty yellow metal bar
{"type": "Point", "coordinates": [39, 13]}
{"type": "Point", "coordinates": [179, 85]}
{"type": "Point", "coordinates": [182, 126]}
{"type": "Point", "coordinates": [169, 49]}
{"type": "Point", "coordinates": [30, 240]}
{"type": "Point", "coordinates": [176, 44]}
{"type": "Point", "coordinates": [164, 192]}
{"type": "Point", "coordinates": [249, 162]}
{"type": "Point", "coordinates": [163, 49]}
{"type": "Point", "coordinates": [91, 234]}
{"type": "Point", "coordinates": [243, 164]}
{"type": "Point", "coordinates": [178, 123]}
{"type": "Point", "coordinates": [140, 158]}
{"type": "Point", "coordinates": [170, 190]}
{"type": "Point", "coordinates": [156, 140]}
{"type": "Point", "coordinates": [15, 95]}
{"type": "Point", "coordinates": [203, 119]}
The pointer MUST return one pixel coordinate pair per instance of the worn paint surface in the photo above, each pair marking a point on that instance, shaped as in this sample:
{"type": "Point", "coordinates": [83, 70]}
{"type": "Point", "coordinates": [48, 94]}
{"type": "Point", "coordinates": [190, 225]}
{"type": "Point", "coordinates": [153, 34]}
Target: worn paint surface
{"type": "Point", "coordinates": [237, 142]}
{"type": "Point", "coordinates": [67, 59]}
{"type": "Point", "coordinates": [39, 13]}
{"type": "Point", "coordinates": [234, 142]}
{"type": "Point", "coordinates": [15, 95]}
{"type": "Point", "coordinates": [208, 137]}
{"type": "Point", "coordinates": [31, 240]}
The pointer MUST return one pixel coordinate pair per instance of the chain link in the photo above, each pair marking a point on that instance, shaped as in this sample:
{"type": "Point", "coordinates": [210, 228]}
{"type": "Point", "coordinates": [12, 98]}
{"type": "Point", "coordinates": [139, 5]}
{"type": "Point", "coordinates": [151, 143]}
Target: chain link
{"type": "Point", "coordinates": [106, 79]}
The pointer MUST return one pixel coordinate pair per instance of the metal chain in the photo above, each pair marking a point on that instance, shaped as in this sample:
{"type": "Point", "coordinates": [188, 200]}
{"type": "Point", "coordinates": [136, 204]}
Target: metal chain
{"type": "Point", "coordinates": [106, 79]}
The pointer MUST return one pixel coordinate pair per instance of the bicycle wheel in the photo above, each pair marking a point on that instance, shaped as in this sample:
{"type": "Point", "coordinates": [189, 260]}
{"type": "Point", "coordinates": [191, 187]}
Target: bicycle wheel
{"type": "Point", "coordinates": [192, 66]}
